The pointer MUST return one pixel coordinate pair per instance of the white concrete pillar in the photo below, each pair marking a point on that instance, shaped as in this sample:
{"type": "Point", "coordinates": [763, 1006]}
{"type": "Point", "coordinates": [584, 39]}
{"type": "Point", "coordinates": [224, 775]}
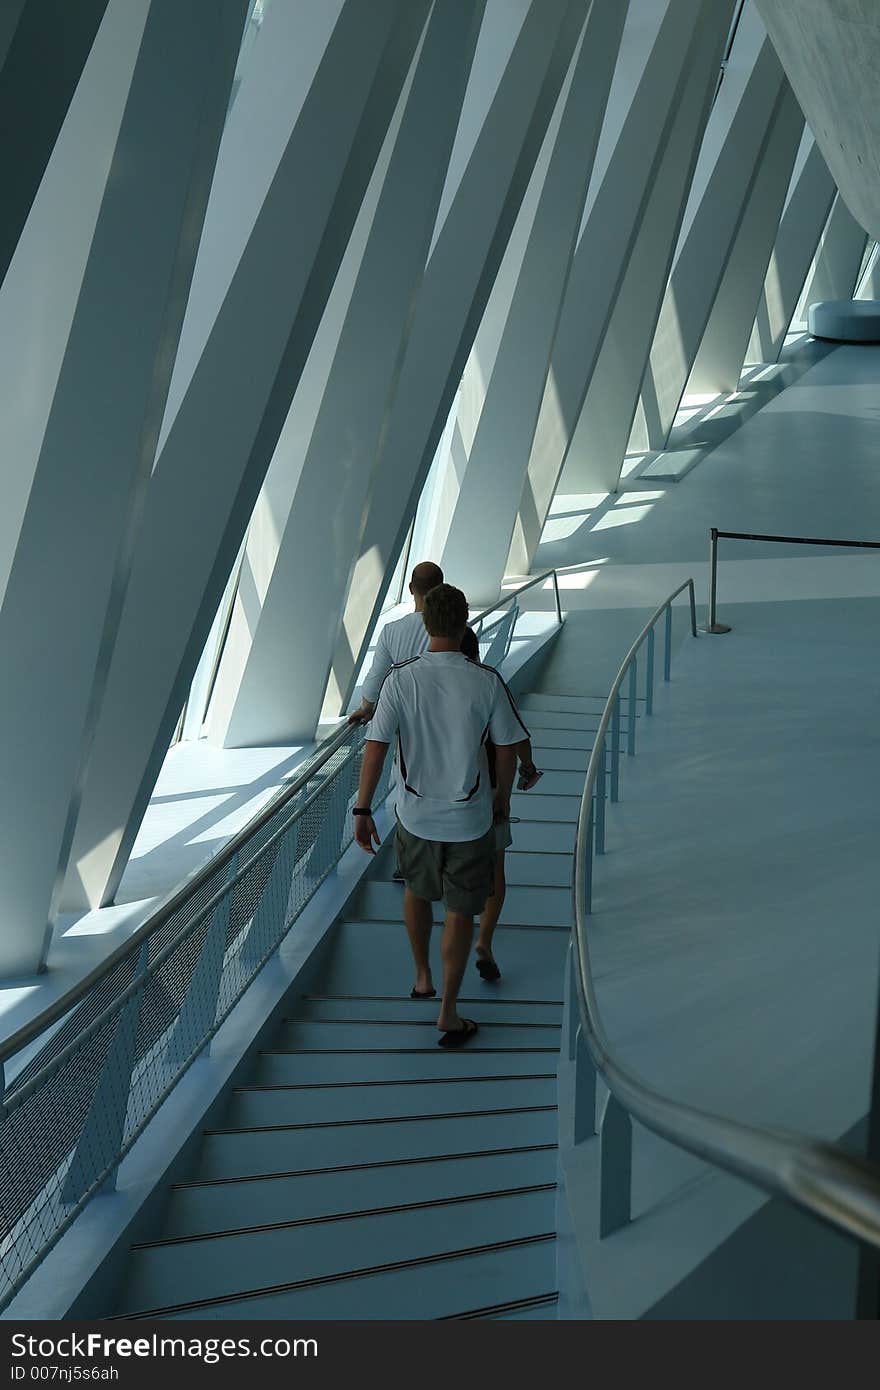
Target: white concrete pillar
{"type": "Point", "coordinates": [505, 395]}
{"type": "Point", "coordinates": [837, 260]}
{"type": "Point", "coordinates": [39, 293]}
{"type": "Point", "coordinates": [235, 393]}
{"type": "Point", "coordinates": [803, 219]}
{"type": "Point", "coordinates": [598, 440]}
{"type": "Point", "coordinates": [722, 350]}
{"type": "Point", "coordinates": [71, 564]}
{"type": "Point", "coordinates": [729, 161]}
{"type": "Point", "coordinates": [44, 45]}
{"type": "Point", "coordinates": [604, 266]}
{"type": "Point", "coordinates": [869, 284]}
{"type": "Point", "coordinates": [278, 695]}
{"type": "Point", "coordinates": [458, 280]}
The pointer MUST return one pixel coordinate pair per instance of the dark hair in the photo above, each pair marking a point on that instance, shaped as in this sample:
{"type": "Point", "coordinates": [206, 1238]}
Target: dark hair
{"type": "Point", "coordinates": [445, 611]}
{"type": "Point", "coordinates": [425, 577]}
{"type": "Point", "coordinates": [470, 645]}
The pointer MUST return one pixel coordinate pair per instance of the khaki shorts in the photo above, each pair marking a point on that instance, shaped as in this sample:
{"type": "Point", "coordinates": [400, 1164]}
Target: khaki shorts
{"type": "Point", "coordinates": [460, 874]}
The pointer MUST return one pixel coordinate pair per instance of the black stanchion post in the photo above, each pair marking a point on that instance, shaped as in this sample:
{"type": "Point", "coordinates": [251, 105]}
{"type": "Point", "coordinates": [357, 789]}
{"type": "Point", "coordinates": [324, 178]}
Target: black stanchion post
{"type": "Point", "coordinates": [713, 625]}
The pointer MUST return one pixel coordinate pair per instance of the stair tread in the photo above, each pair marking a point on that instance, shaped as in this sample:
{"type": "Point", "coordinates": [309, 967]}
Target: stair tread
{"type": "Point", "coordinates": [523, 906]}
{"type": "Point", "coordinates": [445, 1288]}
{"type": "Point", "coordinates": [221, 1265]}
{"type": "Point", "coordinates": [399, 1033]}
{"type": "Point", "coordinates": [500, 1009]}
{"type": "Point", "coordinates": [204, 1207]}
{"type": "Point", "coordinates": [253, 1107]}
{"type": "Point", "coordinates": [240, 1153]}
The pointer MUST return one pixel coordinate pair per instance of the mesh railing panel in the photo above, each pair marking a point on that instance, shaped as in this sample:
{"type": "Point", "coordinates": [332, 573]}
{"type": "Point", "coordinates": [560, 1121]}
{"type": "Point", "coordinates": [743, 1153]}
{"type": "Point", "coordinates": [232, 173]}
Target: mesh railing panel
{"type": "Point", "coordinates": [78, 1106]}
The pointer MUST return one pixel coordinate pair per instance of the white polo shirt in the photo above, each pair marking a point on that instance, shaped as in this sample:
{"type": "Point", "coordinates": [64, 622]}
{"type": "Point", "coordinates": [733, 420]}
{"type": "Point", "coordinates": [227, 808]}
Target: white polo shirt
{"type": "Point", "coordinates": [397, 642]}
{"type": "Point", "coordinates": [440, 707]}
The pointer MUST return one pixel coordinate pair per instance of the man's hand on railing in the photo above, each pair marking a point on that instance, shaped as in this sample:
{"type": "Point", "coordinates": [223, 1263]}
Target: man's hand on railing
{"type": "Point", "coordinates": [363, 714]}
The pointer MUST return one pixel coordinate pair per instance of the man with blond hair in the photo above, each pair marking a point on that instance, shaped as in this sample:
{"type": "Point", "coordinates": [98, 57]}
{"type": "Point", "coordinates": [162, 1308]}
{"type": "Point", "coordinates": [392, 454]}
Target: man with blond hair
{"type": "Point", "coordinates": [439, 708]}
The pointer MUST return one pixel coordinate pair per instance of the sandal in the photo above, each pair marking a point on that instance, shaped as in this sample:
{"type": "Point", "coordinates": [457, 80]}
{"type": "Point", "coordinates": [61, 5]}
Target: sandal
{"type": "Point", "coordinates": [423, 994]}
{"type": "Point", "coordinates": [458, 1036]}
{"type": "Point", "coordinates": [487, 969]}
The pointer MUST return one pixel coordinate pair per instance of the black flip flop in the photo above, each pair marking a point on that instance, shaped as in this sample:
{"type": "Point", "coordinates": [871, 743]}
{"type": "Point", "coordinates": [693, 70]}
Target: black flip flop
{"type": "Point", "coordinates": [459, 1036]}
{"type": "Point", "coordinates": [487, 969]}
{"type": "Point", "coordinates": [423, 994]}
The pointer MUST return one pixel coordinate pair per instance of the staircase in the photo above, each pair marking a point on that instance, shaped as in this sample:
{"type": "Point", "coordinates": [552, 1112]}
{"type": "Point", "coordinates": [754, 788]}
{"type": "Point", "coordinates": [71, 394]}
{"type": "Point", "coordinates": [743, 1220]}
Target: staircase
{"type": "Point", "coordinates": [362, 1172]}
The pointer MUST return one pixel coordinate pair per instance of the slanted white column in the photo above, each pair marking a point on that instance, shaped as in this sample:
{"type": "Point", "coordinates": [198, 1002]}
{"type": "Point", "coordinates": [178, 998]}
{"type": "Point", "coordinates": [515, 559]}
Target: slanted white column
{"type": "Point", "coordinates": [733, 150]}
{"type": "Point", "coordinates": [837, 261]}
{"type": "Point", "coordinates": [44, 45]}
{"type": "Point", "coordinates": [502, 398]}
{"type": "Point", "coordinates": [806, 212]}
{"type": "Point", "coordinates": [462, 267]}
{"type": "Point", "coordinates": [722, 351]}
{"type": "Point", "coordinates": [279, 693]}
{"type": "Point", "coordinates": [604, 267]}
{"type": "Point", "coordinates": [39, 293]}
{"type": "Point", "coordinates": [236, 391]}
{"type": "Point", "coordinates": [869, 286]}
{"type": "Point", "coordinates": [71, 564]}
{"type": "Point", "coordinates": [598, 439]}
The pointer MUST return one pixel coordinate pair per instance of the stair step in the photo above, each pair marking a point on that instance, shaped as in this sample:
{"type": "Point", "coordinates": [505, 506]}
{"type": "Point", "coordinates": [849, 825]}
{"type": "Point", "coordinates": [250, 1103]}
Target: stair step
{"type": "Point", "coordinates": [195, 1208]}
{"type": "Point", "coordinates": [216, 1266]}
{"type": "Point", "coordinates": [439, 1287]}
{"type": "Point", "coordinates": [373, 958]}
{"type": "Point", "coordinates": [247, 1153]}
{"type": "Point", "coordinates": [282, 1068]}
{"type": "Point", "coordinates": [545, 734]}
{"type": "Point", "coordinates": [553, 759]}
{"type": "Point", "coordinates": [529, 807]}
{"type": "Point", "coordinates": [523, 868]}
{"type": "Point", "coordinates": [567, 721]}
{"type": "Point", "coordinates": [363, 1034]}
{"type": "Point", "coordinates": [538, 1310]}
{"type": "Point", "coordinates": [574, 704]}
{"type": "Point", "coordinates": [411, 1010]}
{"type": "Point", "coordinates": [346, 1103]}
{"type": "Point", "coordinates": [529, 907]}
{"type": "Point", "coordinates": [560, 781]}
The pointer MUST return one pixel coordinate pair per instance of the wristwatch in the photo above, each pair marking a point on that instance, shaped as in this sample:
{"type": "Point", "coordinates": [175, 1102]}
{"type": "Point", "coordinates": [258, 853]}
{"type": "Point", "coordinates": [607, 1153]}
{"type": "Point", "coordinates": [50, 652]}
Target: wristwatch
{"type": "Point", "coordinates": [362, 811]}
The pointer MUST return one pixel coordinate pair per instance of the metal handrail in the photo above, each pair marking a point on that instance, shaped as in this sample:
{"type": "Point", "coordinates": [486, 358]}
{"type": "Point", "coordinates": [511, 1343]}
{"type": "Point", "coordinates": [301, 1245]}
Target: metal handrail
{"type": "Point", "coordinates": [28, 1032]}
{"type": "Point", "coordinates": [521, 589]}
{"type": "Point", "coordinates": [819, 1177]}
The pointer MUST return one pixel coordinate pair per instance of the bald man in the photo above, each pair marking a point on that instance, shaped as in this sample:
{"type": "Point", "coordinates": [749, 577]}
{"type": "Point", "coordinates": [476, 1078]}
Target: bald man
{"type": "Point", "coordinates": [398, 641]}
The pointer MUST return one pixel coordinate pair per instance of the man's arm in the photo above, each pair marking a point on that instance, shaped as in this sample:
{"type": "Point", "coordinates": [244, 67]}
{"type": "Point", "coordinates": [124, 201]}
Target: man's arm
{"type": "Point", "coordinates": [505, 768]}
{"type": "Point", "coordinates": [365, 832]}
{"type": "Point", "coordinates": [528, 773]}
{"type": "Point", "coordinates": [382, 663]}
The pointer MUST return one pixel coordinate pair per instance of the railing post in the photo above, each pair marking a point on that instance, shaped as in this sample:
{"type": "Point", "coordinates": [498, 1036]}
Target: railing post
{"type": "Point", "coordinates": [667, 645]}
{"type": "Point", "coordinates": [631, 732]}
{"type": "Point", "coordinates": [713, 625]}
{"type": "Point", "coordinates": [649, 675]}
{"type": "Point", "coordinates": [600, 801]}
{"type": "Point", "coordinates": [615, 749]}
{"type": "Point", "coordinates": [556, 593]}
{"type": "Point", "coordinates": [104, 1127]}
{"type": "Point", "coordinates": [615, 1168]}
{"type": "Point", "coordinates": [584, 1091]}
{"type": "Point", "coordinates": [588, 866]}
{"type": "Point", "coordinates": [264, 929]}
{"type": "Point", "coordinates": [199, 1008]}
{"type": "Point", "coordinates": [573, 1003]}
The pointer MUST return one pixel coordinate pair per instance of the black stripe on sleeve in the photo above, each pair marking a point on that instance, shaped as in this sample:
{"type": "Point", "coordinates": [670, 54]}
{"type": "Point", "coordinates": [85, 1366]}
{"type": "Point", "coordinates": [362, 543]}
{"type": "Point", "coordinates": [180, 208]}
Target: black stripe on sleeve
{"type": "Point", "coordinates": [516, 713]}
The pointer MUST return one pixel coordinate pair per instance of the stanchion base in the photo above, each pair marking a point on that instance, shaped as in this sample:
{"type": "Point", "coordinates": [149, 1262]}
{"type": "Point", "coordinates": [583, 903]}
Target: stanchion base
{"type": "Point", "coordinates": [717, 628]}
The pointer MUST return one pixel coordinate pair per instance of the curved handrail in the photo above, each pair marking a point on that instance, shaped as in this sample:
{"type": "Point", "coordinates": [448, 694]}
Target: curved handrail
{"type": "Point", "coordinates": [819, 1177]}
{"type": "Point", "coordinates": [28, 1032]}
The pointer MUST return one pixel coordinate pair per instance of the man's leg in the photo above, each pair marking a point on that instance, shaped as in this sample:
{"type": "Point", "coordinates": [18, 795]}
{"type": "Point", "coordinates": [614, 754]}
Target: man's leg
{"type": "Point", "coordinates": [458, 934]}
{"type": "Point", "coordinates": [418, 917]}
{"type": "Point", "coordinates": [491, 912]}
